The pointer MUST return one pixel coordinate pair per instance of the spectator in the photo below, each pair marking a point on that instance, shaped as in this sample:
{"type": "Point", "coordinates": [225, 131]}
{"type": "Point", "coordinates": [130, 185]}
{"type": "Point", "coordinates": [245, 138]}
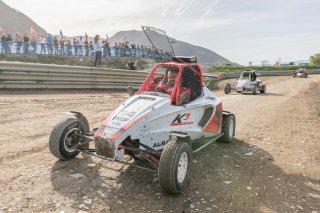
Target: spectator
{"type": "Point", "coordinates": [34, 44]}
{"type": "Point", "coordinates": [62, 52]}
{"type": "Point", "coordinates": [56, 45]}
{"type": "Point", "coordinates": [131, 65]}
{"type": "Point", "coordinates": [76, 46]}
{"type": "Point", "coordinates": [42, 41]}
{"type": "Point", "coordinates": [9, 43]}
{"type": "Point", "coordinates": [106, 47]}
{"type": "Point", "coordinates": [4, 43]}
{"type": "Point", "coordinates": [68, 46]}
{"type": "Point", "coordinates": [26, 41]}
{"type": "Point", "coordinates": [86, 47]}
{"type": "Point", "coordinates": [115, 47]}
{"type": "Point", "coordinates": [92, 53]}
{"type": "Point", "coordinates": [18, 41]}
{"type": "Point", "coordinates": [80, 46]}
{"type": "Point", "coordinates": [98, 51]}
{"type": "Point", "coordinates": [50, 44]}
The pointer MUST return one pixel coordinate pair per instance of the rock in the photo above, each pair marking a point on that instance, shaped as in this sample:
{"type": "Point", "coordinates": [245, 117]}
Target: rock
{"type": "Point", "coordinates": [82, 211]}
{"type": "Point", "coordinates": [249, 188]}
{"type": "Point", "coordinates": [208, 208]}
{"type": "Point", "coordinates": [194, 161]}
{"type": "Point", "coordinates": [119, 201]}
{"type": "Point", "coordinates": [155, 179]}
{"type": "Point", "coordinates": [225, 156]}
{"type": "Point", "coordinates": [78, 175]}
{"type": "Point", "coordinates": [196, 192]}
{"type": "Point", "coordinates": [314, 195]}
{"type": "Point", "coordinates": [81, 206]}
{"type": "Point", "coordinates": [191, 206]}
{"type": "Point", "coordinates": [249, 154]}
{"type": "Point", "coordinates": [227, 182]}
{"type": "Point", "coordinates": [88, 201]}
{"type": "Point", "coordinates": [91, 165]}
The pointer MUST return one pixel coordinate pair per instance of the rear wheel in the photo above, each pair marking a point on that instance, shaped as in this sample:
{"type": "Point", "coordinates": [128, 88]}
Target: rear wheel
{"type": "Point", "coordinates": [174, 166]}
{"type": "Point", "coordinates": [227, 89]}
{"type": "Point", "coordinates": [228, 128]}
{"type": "Point", "coordinates": [64, 140]}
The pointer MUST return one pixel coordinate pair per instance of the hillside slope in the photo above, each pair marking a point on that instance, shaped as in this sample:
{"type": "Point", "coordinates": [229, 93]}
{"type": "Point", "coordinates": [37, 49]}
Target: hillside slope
{"type": "Point", "coordinates": [12, 21]}
{"type": "Point", "coordinates": [205, 56]}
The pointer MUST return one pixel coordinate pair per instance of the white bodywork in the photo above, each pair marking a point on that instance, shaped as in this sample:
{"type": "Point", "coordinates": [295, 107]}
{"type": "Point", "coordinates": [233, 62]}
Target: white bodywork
{"type": "Point", "coordinates": [245, 85]}
{"type": "Point", "coordinates": [151, 118]}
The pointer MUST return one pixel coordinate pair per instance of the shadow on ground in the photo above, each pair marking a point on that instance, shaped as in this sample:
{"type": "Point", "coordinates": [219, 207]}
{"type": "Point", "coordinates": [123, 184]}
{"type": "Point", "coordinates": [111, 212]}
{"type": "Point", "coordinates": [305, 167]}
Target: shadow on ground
{"type": "Point", "coordinates": [235, 177]}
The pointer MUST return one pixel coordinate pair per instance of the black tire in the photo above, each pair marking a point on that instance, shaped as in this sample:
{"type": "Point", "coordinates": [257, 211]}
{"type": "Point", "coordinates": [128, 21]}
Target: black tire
{"type": "Point", "coordinates": [264, 89]}
{"type": "Point", "coordinates": [227, 89]}
{"type": "Point", "coordinates": [254, 90]}
{"type": "Point", "coordinates": [62, 132]}
{"type": "Point", "coordinates": [174, 154]}
{"type": "Point", "coordinates": [228, 128]}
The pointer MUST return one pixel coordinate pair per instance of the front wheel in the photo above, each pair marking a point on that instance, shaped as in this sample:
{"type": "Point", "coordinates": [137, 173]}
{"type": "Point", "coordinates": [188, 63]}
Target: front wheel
{"type": "Point", "coordinates": [174, 166]}
{"type": "Point", "coordinates": [254, 90]}
{"type": "Point", "coordinates": [263, 89]}
{"type": "Point", "coordinates": [63, 139]}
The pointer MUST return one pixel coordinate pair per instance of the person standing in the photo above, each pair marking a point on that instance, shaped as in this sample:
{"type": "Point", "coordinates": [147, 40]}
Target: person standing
{"type": "Point", "coordinates": [4, 43]}
{"type": "Point", "coordinates": [26, 41]}
{"type": "Point", "coordinates": [86, 47]}
{"type": "Point", "coordinates": [97, 45]}
{"type": "Point", "coordinates": [50, 44]}
{"type": "Point", "coordinates": [56, 45]}
{"type": "Point", "coordinates": [106, 47]}
{"type": "Point", "coordinates": [34, 44]}
{"type": "Point", "coordinates": [42, 42]}
{"type": "Point", "coordinates": [18, 43]}
{"type": "Point", "coordinates": [80, 46]}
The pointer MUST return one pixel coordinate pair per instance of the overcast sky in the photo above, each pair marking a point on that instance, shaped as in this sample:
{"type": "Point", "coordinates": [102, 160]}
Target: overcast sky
{"type": "Point", "coordinates": [239, 30]}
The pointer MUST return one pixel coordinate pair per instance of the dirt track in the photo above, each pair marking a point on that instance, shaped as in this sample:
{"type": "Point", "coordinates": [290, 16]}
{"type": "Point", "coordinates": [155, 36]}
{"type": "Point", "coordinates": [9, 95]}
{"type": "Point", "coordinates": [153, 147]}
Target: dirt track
{"type": "Point", "coordinates": [273, 165]}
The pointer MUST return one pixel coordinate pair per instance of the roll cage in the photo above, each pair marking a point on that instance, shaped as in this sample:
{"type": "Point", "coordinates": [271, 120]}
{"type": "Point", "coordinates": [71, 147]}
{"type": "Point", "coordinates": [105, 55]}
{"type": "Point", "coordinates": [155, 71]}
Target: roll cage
{"type": "Point", "coordinates": [189, 76]}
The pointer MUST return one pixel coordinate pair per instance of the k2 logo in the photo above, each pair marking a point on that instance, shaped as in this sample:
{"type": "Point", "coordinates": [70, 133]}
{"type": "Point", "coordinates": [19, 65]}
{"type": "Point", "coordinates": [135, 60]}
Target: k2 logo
{"type": "Point", "coordinates": [181, 120]}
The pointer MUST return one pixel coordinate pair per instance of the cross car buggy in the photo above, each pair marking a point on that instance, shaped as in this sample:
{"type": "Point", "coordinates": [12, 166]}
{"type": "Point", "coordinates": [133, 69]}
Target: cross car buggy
{"type": "Point", "coordinates": [151, 128]}
{"type": "Point", "coordinates": [300, 73]}
{"type": "Point", "coordinates": [247, 83]}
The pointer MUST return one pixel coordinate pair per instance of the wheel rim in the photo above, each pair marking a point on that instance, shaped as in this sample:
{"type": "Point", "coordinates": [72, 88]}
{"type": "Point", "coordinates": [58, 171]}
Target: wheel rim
{"type": "Point", "coordinates": [182, 167]}
{"type": "Point", "coordinates": [68, 142]}
{"type": "Point", "coordinates": [231, 128]}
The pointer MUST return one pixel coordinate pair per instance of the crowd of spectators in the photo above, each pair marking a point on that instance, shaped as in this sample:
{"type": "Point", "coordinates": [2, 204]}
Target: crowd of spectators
{"type": "Point", "coordinates": [76, 46]}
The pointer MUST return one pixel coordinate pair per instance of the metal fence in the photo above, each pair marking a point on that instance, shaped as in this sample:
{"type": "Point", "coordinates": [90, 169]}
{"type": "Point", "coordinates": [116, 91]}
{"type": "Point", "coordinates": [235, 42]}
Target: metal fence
{"type": "Point", "coordinates": [9, 47]}
{"type": "Point", "coordinates": [16, 75]}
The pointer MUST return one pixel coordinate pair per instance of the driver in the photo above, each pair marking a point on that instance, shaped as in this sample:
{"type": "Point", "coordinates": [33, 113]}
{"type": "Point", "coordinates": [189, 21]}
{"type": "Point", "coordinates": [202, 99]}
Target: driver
{"type": "Point", "coordinates": [167, 87]}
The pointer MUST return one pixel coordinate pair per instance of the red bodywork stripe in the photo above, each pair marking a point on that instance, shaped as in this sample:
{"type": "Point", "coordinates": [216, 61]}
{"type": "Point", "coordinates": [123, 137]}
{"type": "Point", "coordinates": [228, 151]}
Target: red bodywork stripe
{"type": "Point", "coordinates": [214, 124]}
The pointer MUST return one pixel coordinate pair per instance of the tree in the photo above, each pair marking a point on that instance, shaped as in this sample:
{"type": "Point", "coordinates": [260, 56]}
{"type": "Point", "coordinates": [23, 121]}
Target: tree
{"type": "Point", "coordinates": [315, 60]}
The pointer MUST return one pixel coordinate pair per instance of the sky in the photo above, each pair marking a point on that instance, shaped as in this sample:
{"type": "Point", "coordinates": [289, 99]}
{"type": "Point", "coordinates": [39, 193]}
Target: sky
{"type": "Point", "coordinates": [242, 31]}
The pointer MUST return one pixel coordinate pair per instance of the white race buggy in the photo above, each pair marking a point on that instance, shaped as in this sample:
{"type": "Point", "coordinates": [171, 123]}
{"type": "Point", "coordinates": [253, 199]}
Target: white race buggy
{"type": "Point", "coordinates": [151, 128]}
{"type": "Point", "coordinates": [247, 83]}
{"type": "Point", "coordinates": [300, 73]}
